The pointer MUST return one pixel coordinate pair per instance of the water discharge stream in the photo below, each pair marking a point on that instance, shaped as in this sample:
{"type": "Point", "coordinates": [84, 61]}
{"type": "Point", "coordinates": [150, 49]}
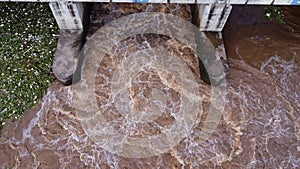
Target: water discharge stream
{"type": "Point", "coordinates": [260, 124]}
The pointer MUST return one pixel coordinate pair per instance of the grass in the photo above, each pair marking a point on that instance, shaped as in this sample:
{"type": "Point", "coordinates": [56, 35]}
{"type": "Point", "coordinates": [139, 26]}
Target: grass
{"type": "Point", "coordinates": [28, 38]}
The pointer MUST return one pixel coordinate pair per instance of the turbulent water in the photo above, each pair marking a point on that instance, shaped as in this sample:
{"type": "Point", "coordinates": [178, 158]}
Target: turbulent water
{"type": "Point", "coordinates": [259, 128]}
{"type": "Point", "coordinates": [264, 84]}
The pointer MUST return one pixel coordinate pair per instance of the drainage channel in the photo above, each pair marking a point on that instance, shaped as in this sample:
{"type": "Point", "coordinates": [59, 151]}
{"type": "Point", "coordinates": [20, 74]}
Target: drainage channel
{"type": "Point", "coordinates": [209, 46]}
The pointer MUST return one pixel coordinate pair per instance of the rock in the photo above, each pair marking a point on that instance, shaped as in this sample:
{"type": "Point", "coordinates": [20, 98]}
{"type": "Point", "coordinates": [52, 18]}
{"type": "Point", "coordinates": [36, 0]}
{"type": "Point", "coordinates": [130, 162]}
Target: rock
{"type": "Point", "coordinates": [66, 55]}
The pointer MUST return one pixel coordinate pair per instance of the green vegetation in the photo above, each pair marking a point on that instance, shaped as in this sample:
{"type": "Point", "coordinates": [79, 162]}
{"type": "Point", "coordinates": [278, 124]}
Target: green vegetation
{"type": "Point", "coordinates": [274, 13]}
{"type": "Point", "coordinates": [28, 37]}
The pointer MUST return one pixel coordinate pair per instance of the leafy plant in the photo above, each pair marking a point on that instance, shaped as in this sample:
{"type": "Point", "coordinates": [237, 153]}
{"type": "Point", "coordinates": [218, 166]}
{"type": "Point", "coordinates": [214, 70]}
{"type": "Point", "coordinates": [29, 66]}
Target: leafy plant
{"type": "Point", "coordinates": [274, 13]}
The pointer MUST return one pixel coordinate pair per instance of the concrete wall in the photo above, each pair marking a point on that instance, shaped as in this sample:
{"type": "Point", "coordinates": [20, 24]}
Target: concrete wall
{"type": "Point", "coordinates": [257, 2]}
{"type": "Point", "coordinates": [213, 14]}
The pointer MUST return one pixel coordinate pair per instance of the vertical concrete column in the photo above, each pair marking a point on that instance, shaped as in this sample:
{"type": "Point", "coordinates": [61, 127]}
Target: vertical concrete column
{"type": "Point", "coordinates": [212, 69]}
{"type": "Point", "coordinates": [211, 15]}
{"type": "Point", "coordinates": [69, 15]}
{"type": "Point", "coordinates": [214, 16]}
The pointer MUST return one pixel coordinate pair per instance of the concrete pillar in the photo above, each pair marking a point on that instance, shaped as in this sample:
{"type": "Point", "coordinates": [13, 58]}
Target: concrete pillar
{"type": "Point", "coordinates": [69, 15]}
{"type": "Point", "coordinates": [212, 17]}
{"type": "Point", "coordinates": [70, 19]}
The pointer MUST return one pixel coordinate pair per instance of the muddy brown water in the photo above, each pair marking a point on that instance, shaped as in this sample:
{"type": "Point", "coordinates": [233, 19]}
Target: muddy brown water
{"type": "Point", "coordinates": [259, 128]}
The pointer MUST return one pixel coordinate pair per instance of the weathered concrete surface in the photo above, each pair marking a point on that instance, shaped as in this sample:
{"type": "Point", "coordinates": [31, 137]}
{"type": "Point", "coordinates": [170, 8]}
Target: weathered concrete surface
{"type": "Point", "coordinates": [212, 67]}
{"type": "Point", "coordinates": [66, 55]}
